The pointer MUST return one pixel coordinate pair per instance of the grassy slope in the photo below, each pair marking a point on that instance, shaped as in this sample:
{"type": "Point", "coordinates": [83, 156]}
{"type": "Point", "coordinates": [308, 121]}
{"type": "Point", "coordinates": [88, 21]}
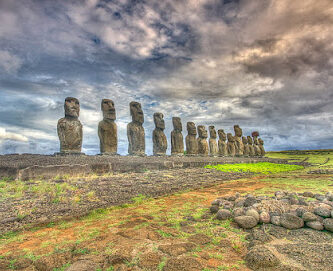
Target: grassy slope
{"type": "Point", "coordinates": [165, 215]}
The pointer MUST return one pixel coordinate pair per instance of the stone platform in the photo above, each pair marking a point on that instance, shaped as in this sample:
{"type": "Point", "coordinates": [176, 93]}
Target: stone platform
{"type": "Point", "coordinates": [29, 166]}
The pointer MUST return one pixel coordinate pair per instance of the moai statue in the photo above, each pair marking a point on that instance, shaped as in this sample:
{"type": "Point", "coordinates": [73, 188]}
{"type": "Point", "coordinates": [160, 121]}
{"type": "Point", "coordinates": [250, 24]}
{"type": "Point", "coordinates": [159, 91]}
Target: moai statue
{"type": "Point", "coordinates": [223, 150]}
{"type": "Point", "coordinates": [107, 128]}
{"type": "Point", "coordinates": [202, 141]}
{"type": "Point", "coordinates": [191, 141]}
{"type": "Point", "coordinates": [135, 131]}
{"type": "Point", "coordinates": [238, 140]}
{"type": "Point", "coordinates": [69, 128]}
{"type": "Point", "coordinates": [257, 151]}
{"type": "Point", "coordinates": [159, 138]}
{"type": "Point", "coordinates": [231, 145]}
{"type": "Point", "coordinates": [261, 146]}
{"type": "Point", "coordinates": [213, 150]}
{"type": "Point", "coordinates": [246, 147]}
{"type": "Point", "coordinates": [250, 144]}
{"type": "Point", "coordinates": [177, 140]}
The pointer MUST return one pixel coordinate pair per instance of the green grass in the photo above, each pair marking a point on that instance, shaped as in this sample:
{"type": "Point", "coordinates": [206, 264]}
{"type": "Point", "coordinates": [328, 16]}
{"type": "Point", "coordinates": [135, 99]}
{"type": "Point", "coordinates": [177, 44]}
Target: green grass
{"type": "Point", "coordinates": [263, 168]}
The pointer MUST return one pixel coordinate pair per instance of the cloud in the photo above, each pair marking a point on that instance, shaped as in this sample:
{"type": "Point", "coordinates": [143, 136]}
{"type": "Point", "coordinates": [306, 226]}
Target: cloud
{"type": "Point", "coordinates": [266, 65]}
{"type": "Point", "coordinates": [4, 135]}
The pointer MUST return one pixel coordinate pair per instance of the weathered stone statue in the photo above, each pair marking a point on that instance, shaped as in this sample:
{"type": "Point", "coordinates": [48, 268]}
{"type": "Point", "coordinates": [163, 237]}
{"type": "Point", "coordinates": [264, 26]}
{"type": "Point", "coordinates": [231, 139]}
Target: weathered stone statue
{"type": "Point", "coordinates": [231, 145]}
{"type": "Point", "coordinates": [69, 128]}
{"type": "Point", "coordinates": [135, 131]}
{"type": "Point", "coordinates": [261, 146]}
{"type": "Point", "coordinates": [250, 144]}
{"type": "Point", "coordinates": [159, 138]}
{"type": "Point", "coordinates": [246, 147]}
{"type": "Point", "coordinates": [223, 150]}
{"type": "Point", "coordinates": [213, 149]}
{"type": "Point", "coordinates": [238, 140]}
{"type": "Point", "coordinates": [202, 141]}
{"type": "Point", "coordinates": [177, 140]}
{"type": "Point", "coordinates": [257, 151]}
{"type": "Point", "coordinates": [191, 141]}
{"type": "Point", "coordinates": [107, 128]}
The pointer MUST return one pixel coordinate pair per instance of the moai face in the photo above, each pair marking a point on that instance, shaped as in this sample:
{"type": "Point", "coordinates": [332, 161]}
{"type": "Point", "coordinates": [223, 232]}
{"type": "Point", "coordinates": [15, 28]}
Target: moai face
{"type": "Point", "coordinates": [230, 137]}
{"type": "Point", "coordinates": [72, 107]}
{"type": "Point", "coordinates": [177, 124]}
{"type": "Point", "coordinates": [136, 112]}
{"type": "Point", "coordinates": [202, 131]}
{"type": "Point", "coordinates": [249, 140]}
{"type": "Point", "coordinates": [238, 131]}
{"type": "Point", "coordinates": [159, 121]}
{"type": "Point", "coordinates": [191, 128]}
{"type": "Point", "coordinates": [261, 142]}
{"type": "Point", "coordinates": [108, 109]}
{"type": "Point", "coordinates": [244, 139]}
{"type": "Point", "coordinates": [212, 132]}
{"type": "Point", "coordinates": [222, 135]}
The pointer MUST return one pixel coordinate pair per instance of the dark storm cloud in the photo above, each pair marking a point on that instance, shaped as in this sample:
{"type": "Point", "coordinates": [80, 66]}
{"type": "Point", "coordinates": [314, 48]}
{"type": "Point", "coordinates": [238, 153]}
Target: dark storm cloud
{"type": "Point", "coordinates": [266, 65]}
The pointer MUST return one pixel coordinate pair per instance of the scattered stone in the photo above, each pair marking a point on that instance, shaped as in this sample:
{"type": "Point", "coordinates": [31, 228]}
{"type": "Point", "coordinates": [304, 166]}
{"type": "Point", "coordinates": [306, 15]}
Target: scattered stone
{"type": "Point", "coordinates": [223, 214]}
{"type": "Point", "coordinates": [254, 213]}
{"type": "Point", "coordinates": [82, 266]}
{"type": "Point", "coordinates": [276, 220]}
{"type": "Point", "coordinates": [246, 222]}
{"type": "Point", "coordinates": [249, 201]}
{"type": "Point", "coordinates": [316, 225]}
{"type": "Point", "coordinates": [308, 194]}
{"type": "Point", "coordinates": [261, 257]}
{"type": "Point", "coordinates": [214, 209]}
{"type": "Point", "coordinates": [291, 222]}
{"type": "Point", "coordinates": [323, 212]}
{"type": "Point", "coordinates": [238, 212]}
{"type": "Point", "coordinates": [328, 224]}
{"type": "Point", "coordinates": [300, 211]}
{"type": "Point", "coordinates": [319, 197]}
{"type": "Point", "coordinates": [264, 217]}
{"type": "Point", "coordinates": [308, 217]}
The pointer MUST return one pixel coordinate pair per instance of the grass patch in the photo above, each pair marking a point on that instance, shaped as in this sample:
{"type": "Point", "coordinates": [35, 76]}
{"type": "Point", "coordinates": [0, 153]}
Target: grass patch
{"type": "Point", "coordinates": [263, 168]}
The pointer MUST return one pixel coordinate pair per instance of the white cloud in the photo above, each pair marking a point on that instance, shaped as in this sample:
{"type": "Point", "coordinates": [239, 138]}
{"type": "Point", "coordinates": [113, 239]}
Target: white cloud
{"type": "Point", "coordinates": [4, 135]}
{"type": "Point", "coordinates": [9, 63]}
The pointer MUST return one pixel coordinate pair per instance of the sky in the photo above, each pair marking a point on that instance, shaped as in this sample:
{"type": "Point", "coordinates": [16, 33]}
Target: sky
{"type": "Point", "coordinates": [265, 65]}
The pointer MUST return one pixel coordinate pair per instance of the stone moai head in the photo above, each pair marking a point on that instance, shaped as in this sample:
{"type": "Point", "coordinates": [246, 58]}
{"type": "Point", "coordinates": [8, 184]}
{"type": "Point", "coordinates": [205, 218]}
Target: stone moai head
{"type": "Point", "coordinates": [159, 121]}
{"type": "Point", "coordinates": [244, 139]}
{"type": "Point", "coordinates": [261, 142]}
{"type": "Point", "coordinates": [191, 130]}
{"type": "Point", "coordinates": [72, 107]}
{"type": "Point", "coordinates": [202, 132]}
{"type": "Point", "coordinates": [177, 124]}
{"type": "Point", "coordinates": [108, 109]}
{"type": "Point", "coordinates": [136, 112]}
{"type": "Point", "coordinates": [230, 137]}
{"type": "Point", "coordinates": [249, 140]}
{"type": "Point", "coordinates": [212, 132]}
{"type": "Point", "coordinates": [238, 131]}
{"type": "Point", "coordinates": [222, 135]}
{"type": "Point", "coordinates": [255, 134]}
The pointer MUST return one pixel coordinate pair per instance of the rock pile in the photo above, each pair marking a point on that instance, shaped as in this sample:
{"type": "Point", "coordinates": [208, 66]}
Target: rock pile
{"type": "Point", "coordinates": [287, 209]}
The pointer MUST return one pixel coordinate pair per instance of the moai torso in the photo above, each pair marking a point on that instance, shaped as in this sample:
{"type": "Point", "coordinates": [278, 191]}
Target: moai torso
{"type": "Point", "coordinates": [223, 151]}
{"type": "Point", "coordinates": [246, 147]}
{"type": "Point", "coordinates": [177, 140]}
{"type": "Point", "coordinates": [213, 150]}
{"type": "Point", "coordinates": [69, 128]}
{"type": "Point", "coordinates": [191, 141]}
{"type": "Point", "coordinates": [202, 141]}
{"type": "Point", "coordinates": [257, 151]}
{"type": "Point", "coordinates": [159, 138]}
{"type": "Point", "coordinates": [231, 145]}
{"type": "Point", "coordinates": [238, 141]}
{"type": "Point", "coordinates": [250, 144]}
{"type": "Point", "coordinates": [261, 146]}
{"type": "Point", "coordinates": [107, 128]}
{"type": "Point", "coordinates": [135, 131]}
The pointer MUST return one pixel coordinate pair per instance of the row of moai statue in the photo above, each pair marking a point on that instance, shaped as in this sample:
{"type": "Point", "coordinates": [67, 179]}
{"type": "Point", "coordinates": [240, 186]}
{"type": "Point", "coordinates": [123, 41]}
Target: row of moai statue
{"type": "Point", "coordinates": [70, 135]}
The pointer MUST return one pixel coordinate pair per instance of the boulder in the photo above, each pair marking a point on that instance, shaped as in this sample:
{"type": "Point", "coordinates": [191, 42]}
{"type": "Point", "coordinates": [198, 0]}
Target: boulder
{"type": "Point", "coordinates": [328, 224]}
{"type": "Point", "coordinates": [291, 222]}
{"type": "Point", "coordinates": [323, 212]}
{"type": "Point", "coordinates": [308, 217]}
{"type": "Point", "coordinates": [264, 217]}
{"type": "Point", "coordinates": [223, 214]}
{"type": "Point", "coordinates": [214, 209]}
{"type": "Point", "coordinates": [261, 258]}
{"type": "Point", "coordinates": [254, 213]}
{"type": "Point", "coordinates": [246, 222]}
{"type": "Point", "coordinates": [316, 225]}
{"type": "Point", "coordinates": [276, 220]}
